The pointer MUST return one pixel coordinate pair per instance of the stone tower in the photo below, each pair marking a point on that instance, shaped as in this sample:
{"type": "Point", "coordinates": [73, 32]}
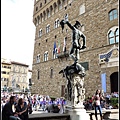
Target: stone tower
{"type": "Point", "coordinates": [51, 47]}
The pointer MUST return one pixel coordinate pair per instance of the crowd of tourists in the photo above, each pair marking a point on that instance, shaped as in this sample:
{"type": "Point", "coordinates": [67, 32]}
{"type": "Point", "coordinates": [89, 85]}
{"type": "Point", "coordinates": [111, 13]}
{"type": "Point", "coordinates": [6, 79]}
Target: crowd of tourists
{"type": "Point", "coordinates": [30, 103]}
{"type": "Point", "coordinates": [105, 103]}
{"type": "Point", "coordinates": [37, 102]}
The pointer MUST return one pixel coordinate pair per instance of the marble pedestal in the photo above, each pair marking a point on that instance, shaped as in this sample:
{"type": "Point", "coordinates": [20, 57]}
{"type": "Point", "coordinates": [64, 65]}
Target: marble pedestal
{"type": "Point", "coordinates": [74, 108]}
{"type": "Point", "coordinates": [77, 113]}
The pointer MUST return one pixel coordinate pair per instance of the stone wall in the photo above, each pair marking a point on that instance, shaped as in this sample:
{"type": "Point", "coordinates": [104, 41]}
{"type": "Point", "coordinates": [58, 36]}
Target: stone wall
{"type": "Point", "coordinates": [96, 25]}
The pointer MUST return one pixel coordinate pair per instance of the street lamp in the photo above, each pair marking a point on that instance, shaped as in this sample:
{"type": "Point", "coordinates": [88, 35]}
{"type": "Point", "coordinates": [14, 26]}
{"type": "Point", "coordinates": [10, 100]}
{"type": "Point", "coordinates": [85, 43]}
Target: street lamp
{"type": "Point", "coordinates": [30, 85]}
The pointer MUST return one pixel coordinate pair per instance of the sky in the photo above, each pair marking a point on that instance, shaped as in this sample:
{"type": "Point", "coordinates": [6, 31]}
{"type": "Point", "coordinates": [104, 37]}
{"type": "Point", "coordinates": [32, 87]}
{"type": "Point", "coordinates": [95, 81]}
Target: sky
{"type": "Point", "coordinates": [17, 31]}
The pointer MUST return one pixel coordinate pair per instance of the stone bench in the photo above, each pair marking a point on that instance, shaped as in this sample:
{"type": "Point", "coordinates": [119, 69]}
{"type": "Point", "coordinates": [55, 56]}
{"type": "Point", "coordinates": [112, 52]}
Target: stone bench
{"type": "Point", "coordinates": [49, 116]}
{"type": "Point", "coordinates": [106, 114]}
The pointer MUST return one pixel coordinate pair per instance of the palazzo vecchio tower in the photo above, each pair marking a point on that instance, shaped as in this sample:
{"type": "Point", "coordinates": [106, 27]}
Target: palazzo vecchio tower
{"type": "Point", "coordinates": [51, 47]}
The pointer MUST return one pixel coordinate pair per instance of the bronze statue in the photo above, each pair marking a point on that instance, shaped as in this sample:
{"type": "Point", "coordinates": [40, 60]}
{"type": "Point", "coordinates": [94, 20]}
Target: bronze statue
{"type": "Point", "coordinates": [75, 68]}
{"type": "Point", "coordinates": [76, 35]}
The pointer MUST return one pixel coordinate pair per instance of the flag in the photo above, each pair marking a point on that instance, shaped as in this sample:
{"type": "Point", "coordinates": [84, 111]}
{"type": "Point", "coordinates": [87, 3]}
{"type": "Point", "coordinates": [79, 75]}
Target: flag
{"type": "Point", "coordinates": [54, 49]}
{"type": "Point", "coordinates": [107, 56]}
{"type": "Point", "coordinates": [103, 81]}
{"type": "Point", "coordinates": [64, 46]}
{"type": "Point", "coordinates": [59, 46]}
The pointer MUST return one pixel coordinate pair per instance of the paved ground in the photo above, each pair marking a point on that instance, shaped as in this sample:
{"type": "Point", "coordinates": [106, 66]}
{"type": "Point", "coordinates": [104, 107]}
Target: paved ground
{"type": "Point", "coordinates": [113, 116]}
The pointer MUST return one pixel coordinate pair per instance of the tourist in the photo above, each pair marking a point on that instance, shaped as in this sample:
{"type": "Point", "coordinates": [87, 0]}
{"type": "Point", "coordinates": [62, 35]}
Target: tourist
{"type": "Point", "coordinates": [22, 109]}
{"type": "Point", "coordinates": [97, 99]}
{"type": "Point", "coordinates": [7, 111]}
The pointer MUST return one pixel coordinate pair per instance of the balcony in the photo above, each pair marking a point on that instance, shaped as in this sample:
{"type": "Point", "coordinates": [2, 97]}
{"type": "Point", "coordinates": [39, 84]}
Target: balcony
{"type": "Point", "coordinates": [63, 54]}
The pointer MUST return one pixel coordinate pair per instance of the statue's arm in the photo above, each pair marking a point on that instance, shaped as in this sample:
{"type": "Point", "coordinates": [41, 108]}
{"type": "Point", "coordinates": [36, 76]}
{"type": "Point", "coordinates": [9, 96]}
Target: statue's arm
{"type": "Point", "coordinates": [66, 22]}
{"type": "Point", "coordinates": [69, 25]}
{"type": "Point", "coordinates": [84, 41]}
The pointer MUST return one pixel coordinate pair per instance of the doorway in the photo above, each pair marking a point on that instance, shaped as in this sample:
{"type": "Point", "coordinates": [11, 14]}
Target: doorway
{"type": "Point", "coordinates": [114, 82]}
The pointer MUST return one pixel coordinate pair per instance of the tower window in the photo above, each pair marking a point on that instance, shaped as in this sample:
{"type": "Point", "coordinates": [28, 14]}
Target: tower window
{"type": "Point", "coordinates": [113, 36]}
{"type": "Point", "coordinates": [113, 14]}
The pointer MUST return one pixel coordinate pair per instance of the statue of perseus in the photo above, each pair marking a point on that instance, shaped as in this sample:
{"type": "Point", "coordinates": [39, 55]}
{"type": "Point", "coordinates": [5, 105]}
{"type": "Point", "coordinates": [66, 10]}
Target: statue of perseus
{"type": "Point", "coordinates": [75, 73]}
{"type": "Point", "coordinates": [76, 35]}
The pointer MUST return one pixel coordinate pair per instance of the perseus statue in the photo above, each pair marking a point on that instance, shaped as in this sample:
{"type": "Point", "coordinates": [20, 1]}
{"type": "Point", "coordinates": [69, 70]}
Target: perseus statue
{"type": "Point", "coordinates": [76, 35]}
{"type": "Point", "coordinates": [68, 72]}
{"type": "Point", "coordinates": [75, 68]}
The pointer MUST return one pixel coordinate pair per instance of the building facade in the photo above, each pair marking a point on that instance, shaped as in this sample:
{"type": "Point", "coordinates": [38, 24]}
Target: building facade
{"type": "Point", "coordinates": [5, 71]}
{"type": "Point", "coordinates": [18, 76]}
{"type": "Point", "coordinates": [15, 76]}
{"type": "Point", "coordinates": [51, 48]}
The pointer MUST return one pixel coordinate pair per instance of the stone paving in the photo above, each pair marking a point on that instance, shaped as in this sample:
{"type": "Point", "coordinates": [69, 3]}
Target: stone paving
{"type": "Point", "coordinates": [113, 116]}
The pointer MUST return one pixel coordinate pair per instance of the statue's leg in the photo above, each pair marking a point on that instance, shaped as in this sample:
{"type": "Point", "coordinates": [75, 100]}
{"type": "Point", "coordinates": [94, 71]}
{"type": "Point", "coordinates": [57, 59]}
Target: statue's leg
{"type": "Point", "coordinates": [72, 52]}
{"type": "Point", "coordinates": [78, 55]}
{"type": "Point", "coordinates": [69, 90]}
{"type": "Point", "coordinates": [78, 93]}
{"type": "Point", "coordinates": [83, 71]}
{"type": "Point", "coordinates": [73, 57]}
{"type": "Point", "coordinates": [80, 68]}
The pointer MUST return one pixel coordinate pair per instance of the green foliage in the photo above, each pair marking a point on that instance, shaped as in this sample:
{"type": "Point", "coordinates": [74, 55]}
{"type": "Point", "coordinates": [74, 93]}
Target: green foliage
{"type": "Point", "coordinates": [114, 101]}
{"type": "Point", "coordinates": [53, 98]}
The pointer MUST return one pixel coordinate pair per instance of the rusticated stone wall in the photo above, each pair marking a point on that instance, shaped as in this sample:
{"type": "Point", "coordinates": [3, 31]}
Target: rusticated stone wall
{"type": "Point", "coordinates": [96, 25]}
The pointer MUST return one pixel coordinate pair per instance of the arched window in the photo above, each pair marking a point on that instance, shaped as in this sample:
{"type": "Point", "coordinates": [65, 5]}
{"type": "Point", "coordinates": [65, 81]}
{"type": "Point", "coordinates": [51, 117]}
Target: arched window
{"type": "Point", "coordinates": [41, 17]}
{"type": "Point", "coordinates": [113, 14]}
{"type": "Point", "coordinates": [38, 74]}
{"type": "Point", "coordinates": [51, 10]}
{"type": "Point", "coordinates": [51, 72]}
{"type": "Point", "coordinates": [117, 35]}
{"type": "Point", "coordinates": [40, 32]}
{"type": "Point", "coordinates": [40, 5]}
{"type": "Point", "coordinates": [82, 9]}
{"type": "Point", "coordinates": [46, 56]}
{"type": "Point", "coordinates": [45, 1]}
{"type": "Point", "coordinates": [38, 58]}
{"type": "Point", "coordinates": [44, 15]}
{"type": "Point", "coordinates": [113, 35]}
{"type": "Point", "coordinates": [48, 28]}
{"type": "Point", "coordinates": [48, 13]}
{"type": "Point", "coordinates": [57, 23]}
{"type": "Point", "coordinates": [59, 5]}
{"type": "Point", "coordinates": [38, 20]}
{"type": "Point", "coordinates": [36, 8]}
{"type": "Point", "coordinates": [55, 7]}
{"type": "Point", "coordinates": [63, 2]}
{"type": "Point", "coordinates": [35, 21]}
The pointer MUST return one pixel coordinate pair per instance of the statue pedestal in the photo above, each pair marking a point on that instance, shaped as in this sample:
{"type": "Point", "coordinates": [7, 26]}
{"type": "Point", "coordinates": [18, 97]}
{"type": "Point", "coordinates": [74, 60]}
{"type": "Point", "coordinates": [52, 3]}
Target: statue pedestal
{"type": "Point", "coordinates": [75, 107]}
{"type": "Point", "coordinates": [77, 113]}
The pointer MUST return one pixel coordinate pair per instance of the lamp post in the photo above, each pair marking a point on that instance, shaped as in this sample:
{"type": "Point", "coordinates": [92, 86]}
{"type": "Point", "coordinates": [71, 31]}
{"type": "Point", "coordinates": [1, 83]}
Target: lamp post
{"type": "Point", "coordinates": [30, 86]}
